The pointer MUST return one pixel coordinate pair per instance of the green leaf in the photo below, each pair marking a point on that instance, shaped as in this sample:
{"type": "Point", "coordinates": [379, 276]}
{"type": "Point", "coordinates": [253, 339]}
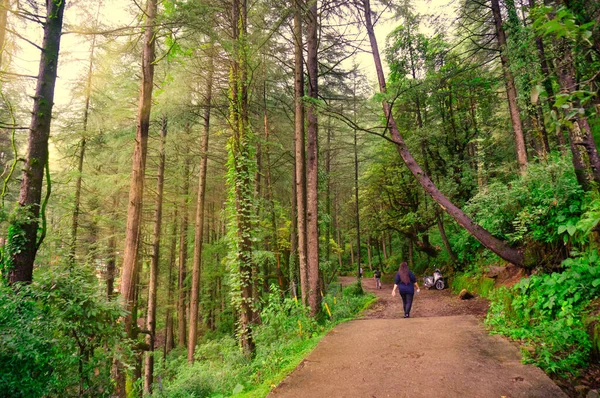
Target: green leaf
{"type": "Point", "coordinates": [571, 229]}
{"type": "Point", "coordinates": [596, 282]}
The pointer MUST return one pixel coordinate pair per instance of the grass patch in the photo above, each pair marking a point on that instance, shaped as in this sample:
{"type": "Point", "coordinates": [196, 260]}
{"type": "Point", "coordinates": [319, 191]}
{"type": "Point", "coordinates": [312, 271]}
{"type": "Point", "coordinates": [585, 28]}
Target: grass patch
{"type": "Point", "coordinates": [287, 335]}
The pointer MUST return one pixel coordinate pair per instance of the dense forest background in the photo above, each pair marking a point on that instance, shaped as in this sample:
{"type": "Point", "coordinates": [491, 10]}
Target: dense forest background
{"type": "Point", "coordinates": [174, 222]}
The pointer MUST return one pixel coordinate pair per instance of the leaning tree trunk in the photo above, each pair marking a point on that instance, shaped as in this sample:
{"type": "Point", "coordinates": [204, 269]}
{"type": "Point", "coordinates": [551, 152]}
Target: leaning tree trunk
{"type": "Point", "coordinates": [511, 90]}
{"type": "Point", "coordinates": [312, 169]}
{"type": "Point", "coordinates": [300, 150]}
{"type": "Point", "coordinates": [154, 261]}
{"type": "Point", "coordinates": [136, 189]}
{"type": "Point", "coordinates": [496, 245]}
{"type": "Point", "coordinates": [199, 227]}
{"type": "Point", "coordinates": [23, 246]}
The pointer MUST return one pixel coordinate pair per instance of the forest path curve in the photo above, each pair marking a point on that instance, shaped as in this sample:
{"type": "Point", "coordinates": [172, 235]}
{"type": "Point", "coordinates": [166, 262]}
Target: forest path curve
{"type": "Point", "coordinates": [441, 351]}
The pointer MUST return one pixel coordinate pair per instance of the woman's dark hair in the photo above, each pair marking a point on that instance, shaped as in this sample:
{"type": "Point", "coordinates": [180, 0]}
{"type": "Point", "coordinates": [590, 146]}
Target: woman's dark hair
{"type": "Point", "coordinates": [403, 271]}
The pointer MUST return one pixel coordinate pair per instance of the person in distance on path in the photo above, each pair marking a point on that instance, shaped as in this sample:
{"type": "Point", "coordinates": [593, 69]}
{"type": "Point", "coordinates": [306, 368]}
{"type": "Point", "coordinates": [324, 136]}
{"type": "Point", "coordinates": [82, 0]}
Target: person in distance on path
{"type": "Point", "coordinates": [377, 276]}
{"type": "Point", "coordinates": [406, 283]}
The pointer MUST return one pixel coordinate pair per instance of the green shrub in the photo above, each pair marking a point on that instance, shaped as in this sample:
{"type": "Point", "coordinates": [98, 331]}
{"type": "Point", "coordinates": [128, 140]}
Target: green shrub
{"type": "Point", "coordinates": [58, 333]}
{"type": "Point", "coordinates": [545, 313]}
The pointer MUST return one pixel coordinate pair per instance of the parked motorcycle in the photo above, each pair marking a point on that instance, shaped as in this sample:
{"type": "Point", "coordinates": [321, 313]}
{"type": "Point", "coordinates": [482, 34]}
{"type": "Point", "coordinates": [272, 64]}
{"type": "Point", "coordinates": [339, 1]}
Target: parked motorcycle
{"type": "Point", "coordinates": [436, 280]}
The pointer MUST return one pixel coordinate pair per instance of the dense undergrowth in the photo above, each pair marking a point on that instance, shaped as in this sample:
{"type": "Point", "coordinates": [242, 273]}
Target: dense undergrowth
{"type": "Point", "coordinates": [546, 213]}
{"type": "Point", "coordinates": [287, 334]}
{"type": "Point", "coordinates": [59, 336]}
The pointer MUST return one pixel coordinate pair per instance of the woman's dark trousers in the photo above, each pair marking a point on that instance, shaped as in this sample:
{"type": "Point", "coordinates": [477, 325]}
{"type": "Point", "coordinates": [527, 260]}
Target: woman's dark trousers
{"type": "Point", "coordinates": [407, 300]}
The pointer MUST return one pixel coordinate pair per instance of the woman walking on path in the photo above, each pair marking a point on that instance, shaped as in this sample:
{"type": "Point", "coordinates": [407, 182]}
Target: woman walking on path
{"type": "Point", "coordinates": [406, 282]}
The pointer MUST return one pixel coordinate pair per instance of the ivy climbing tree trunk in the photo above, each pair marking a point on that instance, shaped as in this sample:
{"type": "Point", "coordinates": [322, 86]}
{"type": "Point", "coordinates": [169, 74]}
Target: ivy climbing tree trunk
{"type": "Point", "coordinates": [154, 262]}
{"type": "Point", "coordinates": [199, 227]}
{"type": "Point", "coordinates": [496, 245]}
{"type": "Point", "coordinates": [22, 247]}
{"type": "Point", "coordinates": [241, 160]}
{"type": "Point", "coordinates": [511, 90]}
{"type": "Point", "coordinates": [300, 152]}
{"type": "Point", "coordinates": [312, 164]}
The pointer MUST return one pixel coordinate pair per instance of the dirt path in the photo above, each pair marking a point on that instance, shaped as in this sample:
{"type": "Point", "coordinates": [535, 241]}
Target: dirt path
{"type": "Point", "coordinates": [441, 351]}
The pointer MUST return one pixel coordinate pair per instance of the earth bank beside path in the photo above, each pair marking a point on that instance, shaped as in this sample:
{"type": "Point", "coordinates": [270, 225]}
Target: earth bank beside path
{"type": "Point", "coordinates": [441, 351]}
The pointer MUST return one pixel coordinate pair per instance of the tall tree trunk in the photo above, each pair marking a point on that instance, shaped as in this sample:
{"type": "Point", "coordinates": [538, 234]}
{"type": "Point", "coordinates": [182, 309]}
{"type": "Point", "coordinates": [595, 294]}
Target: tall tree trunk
{"type": "Point", "coordinates": [182, 273]}
{"type": "Point", "coordinates": [511, 90]}
{"type": "Point", "coordinates": [312, 166]}
{"type": "Point", "coordinates": [82, 143]}
{"type": "Point", "coordinates": [269, 196]}
{"type": "Point", "coordinates": [293, 260]}
{"type": "Point", "coordinates": [169, 337]}
{"type": "Point", "coordinates": [4, 5]}
{"type": "Point", "coordinates": [136, 189]}
{"type": "Point", "coordinates": [23, 247]}
{"type": "Point", "coordinates": [111, 265]}
{"type": "Point", "coordinates": [328, 192]}
{"type": "Point", "coordinates": [199, 227]}
{"type": "Point", "coordinates": [356, 202]}
{"type": "Point", "coordinates": [243, 180]}
{"type": "Point", "coordinates": [299, 152]}
{"type": "Point", "coordinates": [497, 246]}
{"type": "Point", "coordinates": [154, 261]}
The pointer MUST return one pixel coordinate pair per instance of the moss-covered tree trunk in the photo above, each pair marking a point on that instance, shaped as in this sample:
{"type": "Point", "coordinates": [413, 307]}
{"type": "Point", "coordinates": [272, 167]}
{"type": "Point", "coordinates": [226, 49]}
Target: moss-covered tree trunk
{"type": "Point", "coordinates": [23, 235]}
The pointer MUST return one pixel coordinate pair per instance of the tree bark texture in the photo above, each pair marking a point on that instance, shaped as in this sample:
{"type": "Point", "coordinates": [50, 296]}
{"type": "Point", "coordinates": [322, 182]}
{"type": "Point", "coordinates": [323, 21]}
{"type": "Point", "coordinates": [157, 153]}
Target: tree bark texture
{"type": "Point", "coordinates": [136, 189]}
{"type": "Point", "coordinates": [300, 153]}
{"type": "Point", "coordinates": [312, 166]}
{"type": "Point", "coordinates": [511, 90]}
{"type": "Point", "coordinates": [199, 227]}
{"type": "Point", "coordinates": [23, 248]}
{"type": "Point", "coordinates": [483, 236]}
{"type": "Point", "coordinates": [154, 263]}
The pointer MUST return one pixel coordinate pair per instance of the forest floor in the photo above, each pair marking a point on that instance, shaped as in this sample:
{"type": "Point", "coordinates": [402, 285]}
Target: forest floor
{"type": "Point", "coordinates": [441, 351]}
